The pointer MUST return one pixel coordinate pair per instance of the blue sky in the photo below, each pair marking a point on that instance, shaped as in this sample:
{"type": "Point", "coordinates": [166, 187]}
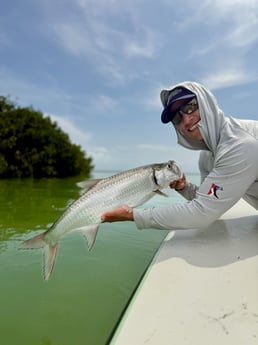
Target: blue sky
{"type": "Point", "coordinates": [97, 68]}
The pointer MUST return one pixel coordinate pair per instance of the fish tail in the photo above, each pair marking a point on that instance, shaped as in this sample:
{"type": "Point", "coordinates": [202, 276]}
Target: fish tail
{"type": "Point", "coordinates": [49, 252]}
{"type": "Point", "coordinates": [49, 260]}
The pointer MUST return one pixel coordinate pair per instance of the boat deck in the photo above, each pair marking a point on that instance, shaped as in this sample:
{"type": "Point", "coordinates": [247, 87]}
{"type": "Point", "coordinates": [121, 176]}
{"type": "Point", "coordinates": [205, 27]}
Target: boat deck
{"type": "Point", "coordinates": [201, 288]}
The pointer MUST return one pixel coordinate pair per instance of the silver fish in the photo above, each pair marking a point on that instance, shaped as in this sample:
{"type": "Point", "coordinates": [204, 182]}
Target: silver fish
{"type": "Point", "coordinates": [132, 187]}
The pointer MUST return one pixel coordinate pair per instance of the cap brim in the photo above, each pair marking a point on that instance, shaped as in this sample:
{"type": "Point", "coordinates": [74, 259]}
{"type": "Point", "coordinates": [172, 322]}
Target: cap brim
{"type": "Point", "coordinates": [166, 115]}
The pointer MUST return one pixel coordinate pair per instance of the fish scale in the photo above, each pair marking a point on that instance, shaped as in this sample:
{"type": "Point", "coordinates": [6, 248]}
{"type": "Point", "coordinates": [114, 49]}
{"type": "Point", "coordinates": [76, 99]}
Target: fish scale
{"type": "Point", "coordinates": [88, 209]}
{"type": "Point", "coordinates": [132, 188]}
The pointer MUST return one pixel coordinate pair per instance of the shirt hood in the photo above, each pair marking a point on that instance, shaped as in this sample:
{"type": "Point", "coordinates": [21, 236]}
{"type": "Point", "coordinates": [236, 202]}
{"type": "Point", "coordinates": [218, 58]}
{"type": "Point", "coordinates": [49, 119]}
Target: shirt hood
{"type": "Point", "coordinates": [212, 118]}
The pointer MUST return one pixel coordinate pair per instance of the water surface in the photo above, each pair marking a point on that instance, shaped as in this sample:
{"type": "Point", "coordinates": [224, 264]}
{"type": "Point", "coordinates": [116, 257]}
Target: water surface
{"type": "Point", "coordinates": [88, 291]}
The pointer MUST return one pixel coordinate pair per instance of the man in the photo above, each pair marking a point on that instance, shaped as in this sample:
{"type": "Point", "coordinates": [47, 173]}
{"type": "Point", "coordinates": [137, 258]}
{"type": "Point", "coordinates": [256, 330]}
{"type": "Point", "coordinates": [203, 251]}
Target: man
{"type": "Point", "coordinates": [228, 162]}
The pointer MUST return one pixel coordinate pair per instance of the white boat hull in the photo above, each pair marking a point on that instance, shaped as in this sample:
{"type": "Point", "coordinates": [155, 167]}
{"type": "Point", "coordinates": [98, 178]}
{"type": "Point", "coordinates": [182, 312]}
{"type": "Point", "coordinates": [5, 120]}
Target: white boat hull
{"type": "Point", "coordinates": [201, 288]}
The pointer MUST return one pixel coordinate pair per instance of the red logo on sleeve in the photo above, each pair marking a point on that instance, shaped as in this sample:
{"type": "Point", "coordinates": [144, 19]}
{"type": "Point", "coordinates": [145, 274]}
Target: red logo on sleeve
{"type": "Point", "coordinates": [213, 190]}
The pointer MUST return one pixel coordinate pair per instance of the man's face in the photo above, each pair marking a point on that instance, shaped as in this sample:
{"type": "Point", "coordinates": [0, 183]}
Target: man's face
{"type": "Point", "coordinates": [189, 123]}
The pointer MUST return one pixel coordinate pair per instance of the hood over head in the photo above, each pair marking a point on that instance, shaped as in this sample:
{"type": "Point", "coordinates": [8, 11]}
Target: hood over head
{"type": "Point", "coordinates": [212, 117]}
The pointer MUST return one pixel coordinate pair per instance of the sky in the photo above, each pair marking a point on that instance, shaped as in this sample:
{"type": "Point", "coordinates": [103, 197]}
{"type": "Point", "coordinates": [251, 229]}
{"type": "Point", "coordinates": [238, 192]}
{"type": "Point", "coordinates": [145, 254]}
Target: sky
{"type": "Point", "coordinates": [97, 67]}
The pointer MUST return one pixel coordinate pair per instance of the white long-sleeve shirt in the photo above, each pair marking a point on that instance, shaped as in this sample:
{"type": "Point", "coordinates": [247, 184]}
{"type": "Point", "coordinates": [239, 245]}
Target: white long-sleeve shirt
{"type": "Point", "coordinates": [228, 166]}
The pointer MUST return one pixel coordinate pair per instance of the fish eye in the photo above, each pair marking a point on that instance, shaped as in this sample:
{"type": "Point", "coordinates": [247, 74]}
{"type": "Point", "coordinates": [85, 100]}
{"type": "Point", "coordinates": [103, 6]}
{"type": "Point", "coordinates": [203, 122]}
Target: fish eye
{"type": "Point", "coordinates": [170, 165]}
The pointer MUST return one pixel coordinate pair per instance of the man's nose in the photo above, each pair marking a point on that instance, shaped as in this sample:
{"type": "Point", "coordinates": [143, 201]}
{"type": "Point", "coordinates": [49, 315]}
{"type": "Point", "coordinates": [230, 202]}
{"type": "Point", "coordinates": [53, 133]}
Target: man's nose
{"type": "Point", "coordinates": [185, 118]}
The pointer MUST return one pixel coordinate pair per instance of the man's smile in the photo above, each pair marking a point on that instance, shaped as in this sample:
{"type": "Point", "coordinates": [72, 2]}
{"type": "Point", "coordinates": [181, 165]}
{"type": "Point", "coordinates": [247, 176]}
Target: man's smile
{"type": "Point", "coordinates": [191, 129]}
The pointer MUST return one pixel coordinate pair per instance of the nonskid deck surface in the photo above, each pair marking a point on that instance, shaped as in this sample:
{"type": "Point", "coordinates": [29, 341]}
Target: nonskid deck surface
{"type": "Point", "coordinates": [202, 287]}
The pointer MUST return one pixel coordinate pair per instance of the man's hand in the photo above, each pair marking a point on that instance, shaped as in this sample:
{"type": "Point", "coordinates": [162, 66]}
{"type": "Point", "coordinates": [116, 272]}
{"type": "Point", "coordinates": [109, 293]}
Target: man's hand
{"type": "Point", "coordinates": [122, 213]}
{"type": "Point", "coordinates": [179, 184]}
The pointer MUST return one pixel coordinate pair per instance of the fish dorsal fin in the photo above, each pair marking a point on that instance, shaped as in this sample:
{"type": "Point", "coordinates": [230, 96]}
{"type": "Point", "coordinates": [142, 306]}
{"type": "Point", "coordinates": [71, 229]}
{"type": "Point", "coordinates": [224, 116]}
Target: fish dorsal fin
{"type": "Point", "coordinates": [88, 184]}
{"type": "Point", "coordinates": [159, 192]}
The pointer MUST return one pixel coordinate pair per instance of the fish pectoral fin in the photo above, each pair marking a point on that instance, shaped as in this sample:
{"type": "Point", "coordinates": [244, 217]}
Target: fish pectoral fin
{"type": "Point", "coordinates": [161, 193]}
{"type": "Point", "coordinates": [90, 233]}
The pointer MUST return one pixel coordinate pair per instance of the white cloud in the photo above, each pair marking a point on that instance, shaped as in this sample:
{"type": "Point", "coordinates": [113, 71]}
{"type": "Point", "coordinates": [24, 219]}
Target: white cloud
{"type": "Point", "coordinates": [73, 37]}
{"type": "Point", "coordinates": [235, 32]}
{"type": "Point", "coordinates": [76, 134]}
{"type": "Point", "coordinates": [244, 35]}
{"type": "Point", "coordinates": [228, 76]}
{"type": "Point", "coordinates": [107, 36]}
{"type": "Point", "coordinates": [225, 7]}
{"type": "Point", "coordinates": [143, 46]}
{"type": "Point", "coordinates": [111, 59]}
{"type": "Point", "coordinates": [101, 155]}
{"type": "Point", "coordinates": [92, 38]}
{"type": "Point", "coordinates": [104, 104]}
{"type": "Point", "coordinates": [242, 15]}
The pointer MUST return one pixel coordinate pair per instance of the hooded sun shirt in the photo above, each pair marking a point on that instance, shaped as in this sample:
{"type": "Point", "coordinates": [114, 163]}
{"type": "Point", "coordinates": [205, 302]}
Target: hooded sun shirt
{"type": "Point", "coordinates": [228, 166]}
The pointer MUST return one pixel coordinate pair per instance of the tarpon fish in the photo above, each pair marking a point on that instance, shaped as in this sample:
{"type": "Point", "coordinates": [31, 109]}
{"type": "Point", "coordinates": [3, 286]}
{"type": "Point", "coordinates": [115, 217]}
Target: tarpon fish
{"type": "Point", "coordinates": [132, 187]}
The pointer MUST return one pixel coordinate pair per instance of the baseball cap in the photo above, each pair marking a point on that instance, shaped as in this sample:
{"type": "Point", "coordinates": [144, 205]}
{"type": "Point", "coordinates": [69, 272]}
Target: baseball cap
{"type": "Point", "coordinates": [179, 93]}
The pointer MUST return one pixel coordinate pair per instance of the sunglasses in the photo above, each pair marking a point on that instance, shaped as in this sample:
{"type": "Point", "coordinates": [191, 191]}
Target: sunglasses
{"type": "Point", "coordinates": [187, 109]}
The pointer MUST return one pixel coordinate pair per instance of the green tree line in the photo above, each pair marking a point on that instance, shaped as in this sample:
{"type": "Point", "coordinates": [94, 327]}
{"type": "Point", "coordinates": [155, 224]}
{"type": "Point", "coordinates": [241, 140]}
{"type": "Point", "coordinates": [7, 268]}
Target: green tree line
{"type": "Point", "coordinates": [31, 145]}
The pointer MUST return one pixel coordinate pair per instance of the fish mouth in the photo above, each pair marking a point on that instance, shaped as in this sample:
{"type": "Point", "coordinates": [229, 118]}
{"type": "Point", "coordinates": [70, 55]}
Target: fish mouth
{"type": "Point", "coordinates": [178, 171]}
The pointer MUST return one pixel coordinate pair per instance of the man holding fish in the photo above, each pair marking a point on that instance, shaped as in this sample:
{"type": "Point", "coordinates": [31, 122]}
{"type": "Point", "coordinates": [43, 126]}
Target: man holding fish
{"type": "Point", "coordinates": [228, 165]}
{"type": "Point", "coordinates": [228, 162]}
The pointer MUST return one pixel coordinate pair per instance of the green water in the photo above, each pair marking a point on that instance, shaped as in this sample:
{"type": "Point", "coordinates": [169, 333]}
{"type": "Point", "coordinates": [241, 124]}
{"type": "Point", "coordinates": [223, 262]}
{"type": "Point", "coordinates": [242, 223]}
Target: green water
{"type": "Point", "coordinates": [87, 292]}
